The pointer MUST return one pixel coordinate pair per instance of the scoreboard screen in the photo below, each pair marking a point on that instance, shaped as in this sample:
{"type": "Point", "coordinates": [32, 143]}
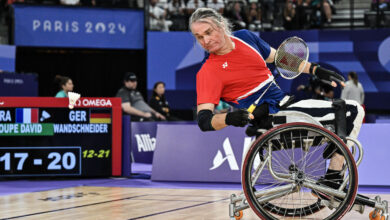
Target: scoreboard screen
{"type": "Point", "coordinates": [43, 137]}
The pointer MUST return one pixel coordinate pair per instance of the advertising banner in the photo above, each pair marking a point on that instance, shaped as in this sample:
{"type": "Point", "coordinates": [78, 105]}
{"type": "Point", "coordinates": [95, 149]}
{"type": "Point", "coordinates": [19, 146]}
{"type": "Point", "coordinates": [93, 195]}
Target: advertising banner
{"type": "Point", "coordinates": [143, 141]}
{"type": "Point", "coordinates": [7, 58]}
{"type": "Point", "coordinates": [184, 153]}
{"type": "Point", "coordinates": [12, 84]}
{"type": "Point", "coordinates": [46, 26]}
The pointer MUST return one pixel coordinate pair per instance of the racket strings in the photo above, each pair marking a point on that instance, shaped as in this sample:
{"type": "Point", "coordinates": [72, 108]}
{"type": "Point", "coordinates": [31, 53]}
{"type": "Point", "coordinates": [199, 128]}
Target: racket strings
{"type": "Point", "coordinates": [291, 57]}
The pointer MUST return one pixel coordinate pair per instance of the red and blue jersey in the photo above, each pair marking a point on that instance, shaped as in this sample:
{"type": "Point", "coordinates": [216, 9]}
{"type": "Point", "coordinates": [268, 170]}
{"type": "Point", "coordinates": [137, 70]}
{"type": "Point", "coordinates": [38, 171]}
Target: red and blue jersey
{"type": "Point", "coordinates": [240, 76]}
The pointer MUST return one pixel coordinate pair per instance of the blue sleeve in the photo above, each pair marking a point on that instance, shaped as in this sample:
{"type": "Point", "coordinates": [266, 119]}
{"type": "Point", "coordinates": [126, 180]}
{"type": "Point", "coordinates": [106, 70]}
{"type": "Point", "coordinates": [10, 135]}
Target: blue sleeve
{"type": "Point", "coordinates": [255, 41]}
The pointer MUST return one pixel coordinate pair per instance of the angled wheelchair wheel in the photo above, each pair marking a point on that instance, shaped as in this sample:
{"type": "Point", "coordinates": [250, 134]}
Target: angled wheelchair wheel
{"type": "Point", "coordinates": [284, 169]}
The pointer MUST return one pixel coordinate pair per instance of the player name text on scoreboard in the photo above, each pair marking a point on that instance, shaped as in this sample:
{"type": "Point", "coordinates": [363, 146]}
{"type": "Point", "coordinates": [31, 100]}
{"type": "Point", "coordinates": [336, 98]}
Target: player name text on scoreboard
{"type": "Point", "coordinates": [80, 128]}
{"type": "Point", "coordinates": [26, 129]}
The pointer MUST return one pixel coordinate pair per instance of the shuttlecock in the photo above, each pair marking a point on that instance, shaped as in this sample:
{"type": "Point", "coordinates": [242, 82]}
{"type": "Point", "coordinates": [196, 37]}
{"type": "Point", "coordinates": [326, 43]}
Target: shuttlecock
{"type": "Point", "coordinates": [73, 97]}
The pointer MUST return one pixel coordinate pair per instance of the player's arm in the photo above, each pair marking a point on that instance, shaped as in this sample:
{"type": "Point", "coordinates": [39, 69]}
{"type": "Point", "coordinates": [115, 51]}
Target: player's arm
{"type": "Point", "coordinates": [126, 107]}
{"type": "Point", "coordinates": [271, 56]}
{"type": "Point", "coordinates": [325, 75]}
{"type": "Point", "coordinates": [208, 121]}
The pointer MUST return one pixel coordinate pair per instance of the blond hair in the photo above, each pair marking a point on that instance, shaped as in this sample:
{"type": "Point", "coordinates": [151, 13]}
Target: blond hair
{"type": "Point", "coordinates": [208, 14]}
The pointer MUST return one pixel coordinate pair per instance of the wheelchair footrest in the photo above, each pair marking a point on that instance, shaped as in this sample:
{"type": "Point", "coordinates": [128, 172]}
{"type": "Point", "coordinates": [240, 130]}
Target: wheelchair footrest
{"type": "Point", "coordinates": [364, 200]}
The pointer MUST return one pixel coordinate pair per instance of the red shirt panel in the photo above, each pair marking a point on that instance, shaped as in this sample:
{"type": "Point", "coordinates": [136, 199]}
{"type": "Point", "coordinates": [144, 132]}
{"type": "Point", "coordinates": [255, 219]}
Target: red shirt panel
{"type": "Point", "coordinates": [231, 75]}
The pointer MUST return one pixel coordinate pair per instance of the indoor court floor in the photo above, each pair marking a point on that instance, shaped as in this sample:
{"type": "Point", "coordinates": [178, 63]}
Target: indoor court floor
{"type": "Point", "coordinates": [127, 198]}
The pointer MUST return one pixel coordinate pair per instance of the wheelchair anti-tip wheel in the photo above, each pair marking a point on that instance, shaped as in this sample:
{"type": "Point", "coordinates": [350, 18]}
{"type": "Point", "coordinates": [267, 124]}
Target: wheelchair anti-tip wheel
{"type": "Point", "coordinates": [284, 169]}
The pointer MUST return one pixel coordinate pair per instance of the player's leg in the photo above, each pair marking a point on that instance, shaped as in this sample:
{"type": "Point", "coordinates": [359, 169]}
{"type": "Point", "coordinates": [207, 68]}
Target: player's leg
{"type": "Point", "coordinates": [344, 119]}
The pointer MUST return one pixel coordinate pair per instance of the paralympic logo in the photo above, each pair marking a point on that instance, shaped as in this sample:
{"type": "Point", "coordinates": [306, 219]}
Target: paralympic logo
{"type": "Point", "coordinates": [384, 54]}
{"type": "Point", "coordinates": [219, 158]}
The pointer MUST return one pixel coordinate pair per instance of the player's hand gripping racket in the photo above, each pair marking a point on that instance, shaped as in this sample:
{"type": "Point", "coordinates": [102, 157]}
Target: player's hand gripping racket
{"type": "Point", "coordinates": [290, 60]}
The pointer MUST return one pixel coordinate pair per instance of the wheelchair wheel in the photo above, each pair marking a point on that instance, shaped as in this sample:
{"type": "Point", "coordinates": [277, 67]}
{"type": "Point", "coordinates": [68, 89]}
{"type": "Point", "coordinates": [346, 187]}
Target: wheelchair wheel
{"type": "Point", "coordinates": [283, 169]}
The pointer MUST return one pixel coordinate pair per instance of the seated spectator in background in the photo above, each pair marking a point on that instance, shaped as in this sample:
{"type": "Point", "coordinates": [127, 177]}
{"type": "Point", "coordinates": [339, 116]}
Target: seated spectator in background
{"type": "Point", "coordinates": [121, 3]}
{"type": "Point", "coordinates": [383, 5]}
{"type": "Point", "coordinates": [268, 8]}
{"type": "Point", "coordinates": [160, 103]}
{"type": "Point", "coordinates": [254, 16]}
{"type": "Point", "coordinates": [133, 103]}
{"type": "Point", "coordinates": [65, 84]}
{"type": "Point", "coordinates": [302, 10]}
{"type": "Point", "coordinates": [89, 2]}
{"type": "Point", "coordinates": [192, 5]}
{"type": "Point", "coordinates": [163, 4]}
{"type": "Point", "coordinates": [176, 8]}
{"type": "Point", "coordinates": [289, 16]}
{"type": "Point", "coordinates": [176, 11]}
{"type": "Point", "coordinates": [70, 2]}
{"type": "Point", "coordinates": [157, 17]}
{"type": "Point", "coordinates": [318, 89]}
{"type": "Point", "coordinates": [237, 16]}
{"type": "Point", "coordinates": [217, 5]}
{"type": "Point", "coordinates": [324, 6]}
{"type": "Point", "coordinates": [353, 89]}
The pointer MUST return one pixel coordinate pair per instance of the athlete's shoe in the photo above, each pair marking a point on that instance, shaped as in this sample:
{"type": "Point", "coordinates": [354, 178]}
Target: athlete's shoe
{"type": "Point", "coordinates": [333, 179]}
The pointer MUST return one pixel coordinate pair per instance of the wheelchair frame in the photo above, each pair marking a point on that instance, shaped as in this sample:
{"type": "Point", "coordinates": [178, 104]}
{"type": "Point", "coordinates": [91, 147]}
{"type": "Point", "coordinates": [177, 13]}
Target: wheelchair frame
{"type": "Point", "coordinates": [240, 203]}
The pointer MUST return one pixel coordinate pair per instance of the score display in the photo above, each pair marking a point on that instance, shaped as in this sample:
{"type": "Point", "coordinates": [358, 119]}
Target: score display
{"type": "Point", "coordinates": [42, 137]}
{"type": "Point", "coordinates": [40, 160]}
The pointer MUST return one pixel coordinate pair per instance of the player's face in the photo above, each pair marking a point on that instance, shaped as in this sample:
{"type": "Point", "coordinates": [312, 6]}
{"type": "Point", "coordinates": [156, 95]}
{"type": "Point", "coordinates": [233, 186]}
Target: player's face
{"type": "Point", "coordinates": [210, 37]}
{"type": "Point", "coordinates": [68, 87]}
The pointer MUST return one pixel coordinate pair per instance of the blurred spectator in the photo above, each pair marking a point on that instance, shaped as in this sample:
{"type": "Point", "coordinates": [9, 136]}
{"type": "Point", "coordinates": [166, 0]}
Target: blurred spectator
{"type": "Point", "coordinates": [176, 11]}
{"type": "Point", "coordinates": [254, 16]}
{"type": "Point", "coordinates": [317, 89]}
{"type": "Point", "coordinates": [10, 2]}
{"type": "Point", "coordinates": [380, 7]}
{"type": "Point", "coordinates": [160, 103]}
{"type": "Point", "coordinates": [194, 4]}
{"type": "Point", "coordinates": [157, 17]}
{"type": "Point", "coordinates": [222, 107]}
{"type": "Point", "coordinates": [353, 89]}
{"type": "Point", "coordinates": [120, 3]}
{"type": "Point", "coordinates": [289, 16]}
{"type": "Point", "coordinates": [140, 3]}
{"type": "Point", "coordinates": [383, 5]}
{"type": "Point", "coordinates": [268, 8]}
{"type": "Point", "coordinates": [323, 7]}
{"type": "Point", "coordinates": [217, 5]}
{"type": "Point", "coordinates": [303, 12]}
{"type": "Point", "coordinates": [133, 103]}
{"type": "Point", "coordinates": [65, 85]}
{"type": "Point", "coordinates": [237, 16]}
{"type": "Point", "coordinates": [70, 2]}
{"type": "Point", "coordinates": [163, 4]}
{"type": "Point", "coordinates": [176, 7]}
{"type": "Point", "coordinates": [89, 2]}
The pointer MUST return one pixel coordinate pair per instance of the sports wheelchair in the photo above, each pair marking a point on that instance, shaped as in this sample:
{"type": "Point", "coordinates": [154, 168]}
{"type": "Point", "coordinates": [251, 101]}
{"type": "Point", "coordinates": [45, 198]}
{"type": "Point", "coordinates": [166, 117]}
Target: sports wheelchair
{"type": "Point", "coordinates": [282, 171]}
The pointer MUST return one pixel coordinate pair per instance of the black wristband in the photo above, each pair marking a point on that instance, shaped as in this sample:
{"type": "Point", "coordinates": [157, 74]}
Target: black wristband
{"type": "Point", "coordinates": [204, 120]}
{"type": "Point", "coordinates": [311, 69]}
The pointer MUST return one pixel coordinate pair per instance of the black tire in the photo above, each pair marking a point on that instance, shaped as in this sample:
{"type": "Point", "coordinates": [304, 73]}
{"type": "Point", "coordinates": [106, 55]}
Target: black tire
{"type": "Point", "coordinates": [287, 141]}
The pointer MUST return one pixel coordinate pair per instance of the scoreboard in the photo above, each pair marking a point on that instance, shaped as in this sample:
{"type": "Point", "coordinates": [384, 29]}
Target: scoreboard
{"type": "Point", "coordinates": [43, 137]}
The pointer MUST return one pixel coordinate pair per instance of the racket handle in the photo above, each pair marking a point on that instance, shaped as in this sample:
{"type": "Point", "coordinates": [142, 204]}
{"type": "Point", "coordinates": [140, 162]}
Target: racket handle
{"type": "Point", "coordinates": [251, 108]}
